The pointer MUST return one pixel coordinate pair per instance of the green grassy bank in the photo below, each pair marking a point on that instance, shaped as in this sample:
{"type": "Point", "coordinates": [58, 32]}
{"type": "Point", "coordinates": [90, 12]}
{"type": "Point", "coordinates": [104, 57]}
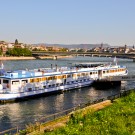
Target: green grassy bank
{"type": "Point", "coordinates": [117, 119]}
{"type": "Point", "coordinates": [105, 118]}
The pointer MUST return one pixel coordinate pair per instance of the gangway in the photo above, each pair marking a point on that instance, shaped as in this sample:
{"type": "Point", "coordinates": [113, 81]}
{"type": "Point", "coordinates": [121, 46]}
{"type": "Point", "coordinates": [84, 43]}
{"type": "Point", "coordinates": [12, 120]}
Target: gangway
{"type": "Point", "coordinates": [118, 78]}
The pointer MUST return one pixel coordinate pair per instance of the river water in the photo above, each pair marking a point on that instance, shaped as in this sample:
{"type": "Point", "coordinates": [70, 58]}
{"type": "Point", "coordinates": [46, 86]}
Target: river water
{"type": "Point", "coordinates": [30, 111]}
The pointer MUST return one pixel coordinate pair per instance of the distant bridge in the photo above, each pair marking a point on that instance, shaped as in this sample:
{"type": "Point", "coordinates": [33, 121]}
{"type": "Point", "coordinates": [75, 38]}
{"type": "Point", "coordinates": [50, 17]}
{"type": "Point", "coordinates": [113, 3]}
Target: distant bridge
{"type": "Point", "coordinates": [90, 54]}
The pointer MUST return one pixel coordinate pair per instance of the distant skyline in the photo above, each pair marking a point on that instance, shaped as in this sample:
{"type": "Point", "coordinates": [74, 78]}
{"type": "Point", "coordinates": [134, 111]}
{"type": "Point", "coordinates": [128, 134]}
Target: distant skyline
{"type": "Point", "coordinates": [68, 21]}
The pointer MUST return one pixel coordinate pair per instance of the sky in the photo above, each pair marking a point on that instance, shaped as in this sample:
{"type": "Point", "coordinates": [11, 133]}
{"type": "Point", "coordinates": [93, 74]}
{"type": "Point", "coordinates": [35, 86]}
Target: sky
{"type": "Point", "coordinates": [68, 21]}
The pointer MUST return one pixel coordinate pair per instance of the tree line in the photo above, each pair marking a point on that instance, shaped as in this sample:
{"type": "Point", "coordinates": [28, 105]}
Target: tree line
{"type": "Point", "coordinates": [19, 52]}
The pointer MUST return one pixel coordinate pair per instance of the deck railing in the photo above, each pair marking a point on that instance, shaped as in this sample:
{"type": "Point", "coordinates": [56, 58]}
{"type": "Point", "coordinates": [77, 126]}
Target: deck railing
{"type": "Point", "coordinates": [10, 131]}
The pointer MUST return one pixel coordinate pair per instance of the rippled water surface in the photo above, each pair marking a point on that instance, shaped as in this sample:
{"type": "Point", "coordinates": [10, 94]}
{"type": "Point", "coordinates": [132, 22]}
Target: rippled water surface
{"type": "Point", "coordinates": [21, 113]}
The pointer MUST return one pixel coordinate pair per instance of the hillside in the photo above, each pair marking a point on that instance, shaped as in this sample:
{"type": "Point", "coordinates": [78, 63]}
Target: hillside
{"type": "Point", "coordinates": [83, 46]}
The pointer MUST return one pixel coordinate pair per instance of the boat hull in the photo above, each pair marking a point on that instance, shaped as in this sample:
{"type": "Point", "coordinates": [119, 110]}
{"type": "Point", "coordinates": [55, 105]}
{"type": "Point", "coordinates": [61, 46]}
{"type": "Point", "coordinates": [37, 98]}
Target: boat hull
{"type": "Point", "coordinates": [8, 97]}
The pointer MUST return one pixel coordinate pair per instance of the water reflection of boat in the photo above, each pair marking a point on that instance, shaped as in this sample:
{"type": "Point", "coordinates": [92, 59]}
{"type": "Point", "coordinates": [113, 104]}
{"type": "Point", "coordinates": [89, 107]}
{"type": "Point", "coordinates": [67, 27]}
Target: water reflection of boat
{"type": "Point", "coordinates": [23, 83]}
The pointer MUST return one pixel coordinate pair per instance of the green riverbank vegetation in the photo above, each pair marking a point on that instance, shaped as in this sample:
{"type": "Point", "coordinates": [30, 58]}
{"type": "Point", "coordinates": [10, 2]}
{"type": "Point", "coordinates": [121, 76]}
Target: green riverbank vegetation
{"type": "Point", "coordinates": [19, 52]}
{"type": "Point", "coordinates": [116, 119]}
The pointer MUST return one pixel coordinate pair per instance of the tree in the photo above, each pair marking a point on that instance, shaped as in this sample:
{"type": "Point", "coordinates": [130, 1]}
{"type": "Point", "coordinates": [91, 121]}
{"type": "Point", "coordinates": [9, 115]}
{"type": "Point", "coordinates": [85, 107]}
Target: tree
{"type": "Point", "coordinates": [1, 51]}
{"type": "Point", "coordinates": [19, 52]}
{"type": "Point", "coordinates": [81, 50]}
{"type": "Point", "coordinates": [64, 49]}
{"type": "Point", "coordinates": [16, 42]}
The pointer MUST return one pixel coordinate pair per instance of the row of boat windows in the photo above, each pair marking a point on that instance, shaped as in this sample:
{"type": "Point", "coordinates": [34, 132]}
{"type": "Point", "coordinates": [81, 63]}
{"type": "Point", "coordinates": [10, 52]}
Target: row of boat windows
{"type": "Point", "coordinates": [108, 71]}
{"type": "Point", "coordinates": [60, 84]}
{"type": "Point", "coordinates": [113, 70]}
{"type": "Point", "coordinates": [58, 77]}
{"type": "Point", "coordinates": [61, 76]}
{"type": "Point", "coordinates": [72, 75]}
{"type": "Point", "coordinates": [14, 82]}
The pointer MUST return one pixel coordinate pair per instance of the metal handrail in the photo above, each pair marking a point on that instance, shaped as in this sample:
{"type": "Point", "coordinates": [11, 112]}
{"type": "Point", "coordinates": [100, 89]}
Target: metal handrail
{"type": "Point", "coordinates": [9, 130]}
{"type": "Point", "coordinates": [65, 112]}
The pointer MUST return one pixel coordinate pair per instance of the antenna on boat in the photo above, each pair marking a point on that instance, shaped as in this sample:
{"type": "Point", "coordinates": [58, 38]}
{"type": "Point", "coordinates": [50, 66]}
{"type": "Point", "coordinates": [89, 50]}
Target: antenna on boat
{"type": "Point", "coordinates": [2, 65]}
{"type": "Point", "coordinates": [115, 60]}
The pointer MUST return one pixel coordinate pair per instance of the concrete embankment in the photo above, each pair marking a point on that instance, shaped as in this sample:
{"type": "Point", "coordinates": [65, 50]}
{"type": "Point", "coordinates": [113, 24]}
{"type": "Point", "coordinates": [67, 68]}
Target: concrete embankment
{"type": "Point", "coordinates": [85, 110]}
{"type": "Point", "coordinates": [17, 58]}
{"type": "Point", "coordinates": [58, 120]}
{"type": "Point", "coordinates": [62, 121]}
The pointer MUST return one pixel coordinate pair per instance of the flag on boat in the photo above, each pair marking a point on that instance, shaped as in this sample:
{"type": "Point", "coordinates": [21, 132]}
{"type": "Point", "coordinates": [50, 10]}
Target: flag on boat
{"type": "Point", "coordinates": [115, 60]}
{"type": "Point", "coordinates": [2, 65]}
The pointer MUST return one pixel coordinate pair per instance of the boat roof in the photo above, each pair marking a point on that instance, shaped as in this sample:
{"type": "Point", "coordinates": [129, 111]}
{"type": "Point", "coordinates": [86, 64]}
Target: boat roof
{"type": "Point", "coordinates": [24, 74]}
{"type": "Point", "coordinates": [89, 63]}
{"type": "Point", "coordinates": [45, 72]}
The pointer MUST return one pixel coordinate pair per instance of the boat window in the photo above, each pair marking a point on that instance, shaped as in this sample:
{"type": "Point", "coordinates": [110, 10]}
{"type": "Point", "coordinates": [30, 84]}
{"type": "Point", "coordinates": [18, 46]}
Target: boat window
{"type": "Point", "coordinates": [15, 82]}
{"type": "Point", "coordinates": [103, 72]}
{"type": "Point", "coordinates": [55, 77]}
{"type": "Point", "coordinates": [59, 77]}
{"type": "Point", "coordinates": [61, 84]}
{"type": "Point", "coordinates": [36, 79]}
{"type": "Point", "coordinates": [68, 76]}
{"type": "Point", "coordinates": [49, 86]}
{"type": "Point", "coordinates": [90, 73]}
{"type": "Point", "coordinates": [83, 74]}
{"type": "Point", "coordinates": [5, 81]}
{"type": "Point", "coordinates": [24, 81]}
{"type": "Point", "coordinates": [44, 79]}
{"type": "Point", "coordinates": [49, 78]}
{"type": "Point", "coordinates": [64, 76]}
{"type": "Point", "coordinates": [40, 79]}
{"type": "Point", "coordinates": [74, 75]}
{"type": "Point", "coordinates": [31, 80]}
{"type": "Point", "coordinates": [0, 81]}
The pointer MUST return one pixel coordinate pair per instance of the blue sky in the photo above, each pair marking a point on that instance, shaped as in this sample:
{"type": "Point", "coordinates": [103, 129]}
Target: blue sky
{"type": "Point", "coordinates": [68, 21]}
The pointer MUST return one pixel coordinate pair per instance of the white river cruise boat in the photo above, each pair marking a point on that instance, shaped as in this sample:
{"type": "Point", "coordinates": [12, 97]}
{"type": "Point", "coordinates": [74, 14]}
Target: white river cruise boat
{"type": "Point", "coordinates": [25, 83]}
